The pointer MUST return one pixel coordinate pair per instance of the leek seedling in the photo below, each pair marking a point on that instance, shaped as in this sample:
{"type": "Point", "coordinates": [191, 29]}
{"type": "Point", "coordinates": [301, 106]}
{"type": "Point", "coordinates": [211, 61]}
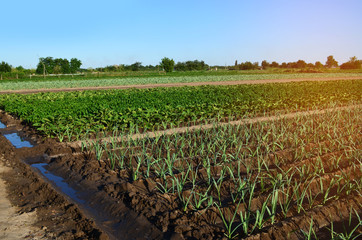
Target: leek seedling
{"type": "Point", "coordinates": [136, 172]}
{"type": "Point", "coordinates": [229, 224]}
{"type": "Point", "coordinates": [180, 184]}
{"type": "Point", "coordinates": [200, 198]}
{"type": "Point", "coordinates": [311, 233]}
{"type": "Point", "coordinates": [245, 219]}
{"type": "Point", "coordinates": [61, 135]}
{"type": "Point", "coordinates": [164, 188]}
{"type": "Point", "coordinates": [326, 196]}
{"type": "Point", "coordinates": [185, 200]}
{"type": "Point", "coordinates": [218, 184]}
{"type": "Point", "coordinates": [311, 199]}
{"type": "Point", "coordinates": [69, 134]}
{"type": "Point", "coordinates": [348, 235]}
{"type": "Point", "coordinates": [285, 202]}
{"type": "Point", "coordinates": [300, 195]}
{"type": "Point", "coordinates": [259, 216]}
{"type": "Point", "coordinates": [274, 203]}
{"type": "Point", "coordinates": [98, 150]}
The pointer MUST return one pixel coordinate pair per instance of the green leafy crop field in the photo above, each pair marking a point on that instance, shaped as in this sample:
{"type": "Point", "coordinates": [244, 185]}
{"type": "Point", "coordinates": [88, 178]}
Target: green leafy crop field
{"type": "Point", "coordinates": [78, 113]}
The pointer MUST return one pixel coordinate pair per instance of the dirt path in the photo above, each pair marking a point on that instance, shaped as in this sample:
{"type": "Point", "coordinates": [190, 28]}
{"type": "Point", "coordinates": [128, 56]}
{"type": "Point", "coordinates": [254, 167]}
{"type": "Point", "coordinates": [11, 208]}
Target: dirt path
{"type": "Point", "coordinates": [78, 144]}
{"type": "Point", "coordinates": [14, 225]}
{"type": "Point", "coordinates": [224, 83]}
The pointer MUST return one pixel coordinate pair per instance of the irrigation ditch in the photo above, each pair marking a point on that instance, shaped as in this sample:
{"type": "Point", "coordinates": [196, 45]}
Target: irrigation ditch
{"type": "Point", "coordinates": [72, 208]}
{"type": "Point", "coordinates": [67, 210]}
{"type": "Point", "coordinates": [78, 197]}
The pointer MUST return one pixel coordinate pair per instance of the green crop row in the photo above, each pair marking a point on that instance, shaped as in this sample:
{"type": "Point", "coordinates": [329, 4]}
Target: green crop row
{"type": "Point", "coordinates": [77, 113]}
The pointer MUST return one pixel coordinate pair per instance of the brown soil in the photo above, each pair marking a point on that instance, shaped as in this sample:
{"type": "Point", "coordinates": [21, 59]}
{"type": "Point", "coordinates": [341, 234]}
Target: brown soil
{"type": "Point", "coordinates": [29, 91]}
{"type": "Point", "coordinates": [15, 224]}
{"type": "Point", "coordinates": [115, 207]}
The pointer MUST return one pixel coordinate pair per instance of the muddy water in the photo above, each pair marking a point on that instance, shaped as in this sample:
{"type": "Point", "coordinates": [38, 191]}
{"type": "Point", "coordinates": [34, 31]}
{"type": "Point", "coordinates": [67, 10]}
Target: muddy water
{"type": "Point", "coordinates": [59, 182]}
{"type": "Point", "coordinates": [120, 224]}
{"type": "Point", "coordinates": [17, 141]}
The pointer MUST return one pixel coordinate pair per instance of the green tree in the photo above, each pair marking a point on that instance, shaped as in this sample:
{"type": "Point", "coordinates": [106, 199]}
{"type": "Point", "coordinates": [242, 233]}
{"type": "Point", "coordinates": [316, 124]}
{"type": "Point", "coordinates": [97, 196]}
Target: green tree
{"type": "Point", "coordinates": [57, 69]}
{"type": "Point", "coordinates": [353, 63]}
{"type": "Point", "coordinates": [167, 64]}
{"type": "Point", "coordinates": [193, 65]}
{"type": "Point", "coordinates": [58, 65]}
{"type": "Point", "coordinates": [136, 66]}
{"type": "Point", "coordinates": [20, 69]}
{"type": "Point", "coordinates": [331, 62]}
{"type": "Point", "coordinates": [265, 64]}
{"type": "Point", "coordinates": [5, 67]}
{"type": "Point", "coordinates": [274, 64]}
{"type": "Point", "coordinates": [318, 64]}
{"type": "Point", "coordinates": [75, 65]}
{"type": "Point", "coordinates": [300, 64]}
{"type": "Point", "coordinates": [45, 65]}
{"type": "Point", "coordinates": [180, 66]}
{"type": "Point", "coordinates": [249, 66]}
{"type": "Point", "coordinates": [65, 66]}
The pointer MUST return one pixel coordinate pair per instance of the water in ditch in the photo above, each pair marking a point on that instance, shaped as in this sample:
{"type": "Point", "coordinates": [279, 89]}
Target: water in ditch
{"type": "Point", "coordinates": [88, 201]}
{"type": "Point", "coordinates": [2, 125]}
{"type": "Point", "coordinates": [59, 182]}
{"type": "Point", "coordinates": [17, 141]}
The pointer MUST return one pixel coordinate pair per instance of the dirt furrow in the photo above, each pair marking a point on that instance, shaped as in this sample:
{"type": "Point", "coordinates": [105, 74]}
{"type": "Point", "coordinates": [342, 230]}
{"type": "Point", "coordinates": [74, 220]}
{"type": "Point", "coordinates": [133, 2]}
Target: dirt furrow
{"type": "Point", "coordinates": [338, 211]}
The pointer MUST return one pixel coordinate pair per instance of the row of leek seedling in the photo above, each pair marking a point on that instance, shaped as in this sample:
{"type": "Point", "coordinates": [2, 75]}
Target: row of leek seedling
{"type": "Point", "coordinates": [222, 145]}
{"type": "Point", "coordinates": [175, 161]}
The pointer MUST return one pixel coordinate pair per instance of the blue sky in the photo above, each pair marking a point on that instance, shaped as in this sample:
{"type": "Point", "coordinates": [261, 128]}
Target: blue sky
{"type": "Point", "coordinates": [108, 32]}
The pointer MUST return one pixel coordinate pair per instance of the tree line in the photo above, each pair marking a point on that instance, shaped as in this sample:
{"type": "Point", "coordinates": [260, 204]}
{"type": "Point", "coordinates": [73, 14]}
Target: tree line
{"type": "Point", "coordinates": [166, 64]}
{"type": "Point", "coordinates": [50, 65]}
{"type": "Point", "coordinates": [353, 63]}
{"type": "Point", "coordinates": [137, 66]}
{"type": "Point", "coordinates": [46, 65]}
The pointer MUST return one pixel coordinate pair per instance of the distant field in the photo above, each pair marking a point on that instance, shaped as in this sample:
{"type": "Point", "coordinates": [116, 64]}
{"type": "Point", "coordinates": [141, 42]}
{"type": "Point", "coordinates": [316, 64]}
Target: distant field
{"type": "Point", "coordinates": [117, 81]}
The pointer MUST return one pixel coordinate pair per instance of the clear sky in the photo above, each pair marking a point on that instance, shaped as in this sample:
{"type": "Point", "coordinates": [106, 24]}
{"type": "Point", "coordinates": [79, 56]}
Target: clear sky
{"type": "Point", "coordinates": [109, 32]}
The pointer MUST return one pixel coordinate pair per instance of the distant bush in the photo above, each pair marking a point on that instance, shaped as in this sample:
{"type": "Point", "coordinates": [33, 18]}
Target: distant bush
{"type": "Point", "coordinates": [353, 63]}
